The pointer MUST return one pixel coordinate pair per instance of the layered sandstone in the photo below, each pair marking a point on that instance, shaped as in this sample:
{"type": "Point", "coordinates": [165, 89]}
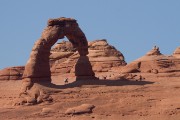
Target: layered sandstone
{"type": "Point", "coordinates": [12, 73]}
{"type": "Point", "coordinates": [154, 62]}
{"type": "Point", "coordinates": [102, 57]}
{"type": "Point", "coordinates": [38, 67]}
{"type": "Point", "coordinates": [155, 51]}
{"type": "Point", "coordinates": [63, 58]}
{"type": "Point", "coordinates": [177, 53]}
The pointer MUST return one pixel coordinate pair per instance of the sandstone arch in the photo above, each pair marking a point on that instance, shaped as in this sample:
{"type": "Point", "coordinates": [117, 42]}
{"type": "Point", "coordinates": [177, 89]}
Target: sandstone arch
{"type": "Point", "coordinates": [37, 70]}
{"type": "Point", "coordinates": [37, 67]}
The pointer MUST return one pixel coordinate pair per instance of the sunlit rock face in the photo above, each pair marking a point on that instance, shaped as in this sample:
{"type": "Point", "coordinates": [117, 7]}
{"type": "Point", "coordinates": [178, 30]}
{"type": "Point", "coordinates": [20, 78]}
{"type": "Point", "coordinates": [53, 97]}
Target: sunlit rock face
{"type": "Point", "coordinates": [177, 53]}
{"type": "Point", "coordinates": [102, 57]}
{"type": "Point", "coordinates": [63, 57]}
{"type": "Point", "coordinates": [155, 62]}
{"type": "Point", "coordinates": [155, 51]}
{"type": "Point", "coordinates": [38, 67]}
{"type": "Point", "coordinates": [12, 73]}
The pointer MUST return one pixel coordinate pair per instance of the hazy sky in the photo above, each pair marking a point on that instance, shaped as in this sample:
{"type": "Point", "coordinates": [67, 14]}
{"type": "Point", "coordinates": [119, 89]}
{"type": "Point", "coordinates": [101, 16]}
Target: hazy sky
{"type": "Point", "coordinates": [132, 26]}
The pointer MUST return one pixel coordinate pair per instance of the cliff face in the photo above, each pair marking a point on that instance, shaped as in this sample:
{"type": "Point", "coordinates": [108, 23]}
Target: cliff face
{"type": "Point", "coordinates": [64, 57]}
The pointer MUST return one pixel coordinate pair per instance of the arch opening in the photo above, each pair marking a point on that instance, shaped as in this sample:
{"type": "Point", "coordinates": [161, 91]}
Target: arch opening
{"type": "Point", "coordinates": [38, 67]}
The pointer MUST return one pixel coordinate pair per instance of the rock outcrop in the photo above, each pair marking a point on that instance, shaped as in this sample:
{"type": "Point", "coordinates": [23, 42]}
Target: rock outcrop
{"type": "Point", "coordinates": [37, 70]}
{"type": "Point", "coordinates": [38, 67]}
{"type": "Point", "coordinates": [63, 58]}
{"type": "Point", "coordinates": [177, 53]}
{"type": "Point", "coordinates": [154, 62]}
{"type": "Point", "coordinates": [154, 51]}
{"type": "Point", "coordinates": [82, 109]}
{"type": "Point", "coordinates": [102, 57]}
{"type": "Point", "coordinates": [12, 73]}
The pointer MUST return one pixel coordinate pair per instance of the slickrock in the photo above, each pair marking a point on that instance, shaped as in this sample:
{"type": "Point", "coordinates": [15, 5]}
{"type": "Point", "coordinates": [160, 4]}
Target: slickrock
{"type": "Point", "coordinates": [63, 58]}
{"type": "Point", "coordinates": [12, 73]}
{"type": "Point", "coordinates": [38, 67]}
{"type": "Point", "coordinates": [84, 108]}
{"type": "Point", "coordinates": [177, 53]}
{"type": "Point", "coordinates": [154, 51]}
{"type": "Point", "coordinates": [102, 57]}
{"type": "Point", "coordinates": [154, 62]}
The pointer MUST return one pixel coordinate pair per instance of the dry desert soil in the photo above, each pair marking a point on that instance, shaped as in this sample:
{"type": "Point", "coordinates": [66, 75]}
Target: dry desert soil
{"type": "Point", "coordinates": [155, 98]}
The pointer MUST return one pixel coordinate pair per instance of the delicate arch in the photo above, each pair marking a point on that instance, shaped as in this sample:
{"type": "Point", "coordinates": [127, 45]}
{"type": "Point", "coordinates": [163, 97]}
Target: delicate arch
{"type": "Point", "coordinates": [37, 67]}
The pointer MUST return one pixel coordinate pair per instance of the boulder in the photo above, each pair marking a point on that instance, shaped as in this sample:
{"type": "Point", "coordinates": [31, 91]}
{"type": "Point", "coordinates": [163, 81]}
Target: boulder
{"type": "Point", "coordinates": [84, 108]}
{"type": "Point", "coordinates": [131, 68]}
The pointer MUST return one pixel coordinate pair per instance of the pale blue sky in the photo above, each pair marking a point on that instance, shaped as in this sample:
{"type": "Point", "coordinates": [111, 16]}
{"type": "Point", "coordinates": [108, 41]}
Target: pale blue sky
{"type": "Point", "coordinates": [132, 26]}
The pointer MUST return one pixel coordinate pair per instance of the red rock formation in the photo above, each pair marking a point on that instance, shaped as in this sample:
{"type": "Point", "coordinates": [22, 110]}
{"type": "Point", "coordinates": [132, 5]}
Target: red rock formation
{"type": "Point", "coordinates": [102, 57]}
{"type": "Point", "coordinates": [37, 67]}
{"type": "Point", "coordinates": [154, 62]}
{"type": "Point", "coordinates": [177, 53]}
{"type": "Point", "coordinates": [154, 51]}
{"type": "Point", "coordinates": [12, 73]}
{"type": "Point", "coordinates": [37, 70]}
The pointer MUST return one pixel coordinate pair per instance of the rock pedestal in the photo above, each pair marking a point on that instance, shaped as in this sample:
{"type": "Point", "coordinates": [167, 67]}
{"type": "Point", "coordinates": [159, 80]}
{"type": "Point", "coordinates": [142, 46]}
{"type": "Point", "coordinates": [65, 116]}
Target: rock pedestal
{"type": "Point", "coordinates": [83, 69]}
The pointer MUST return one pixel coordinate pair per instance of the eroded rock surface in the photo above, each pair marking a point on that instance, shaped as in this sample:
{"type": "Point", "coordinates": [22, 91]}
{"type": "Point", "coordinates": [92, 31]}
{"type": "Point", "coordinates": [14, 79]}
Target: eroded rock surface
{"type": "Point", "coordinates": [102, 57]}
{"type": "Point", "coordinates": [84, 108]}
{"type": "Point", "coordinates": [37, 70]}
{"type": "Point", "coordinates": [155, 62]}
{"type": "Point", "coordinates": [12, 73]}
{"type": "Point", "coordinates": [155, 51]}
{"type": "Point", "coordinates": [177, 53]}
{"type": "Point", "coordinates": [38, 66]}
{"type": "Point", "coordinates": [63, 58]}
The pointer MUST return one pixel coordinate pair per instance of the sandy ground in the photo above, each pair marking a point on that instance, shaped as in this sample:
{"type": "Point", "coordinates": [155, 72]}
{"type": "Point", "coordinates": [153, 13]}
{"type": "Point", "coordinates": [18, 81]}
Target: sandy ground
{"type": "Point", "coordinates": [151, 99]}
